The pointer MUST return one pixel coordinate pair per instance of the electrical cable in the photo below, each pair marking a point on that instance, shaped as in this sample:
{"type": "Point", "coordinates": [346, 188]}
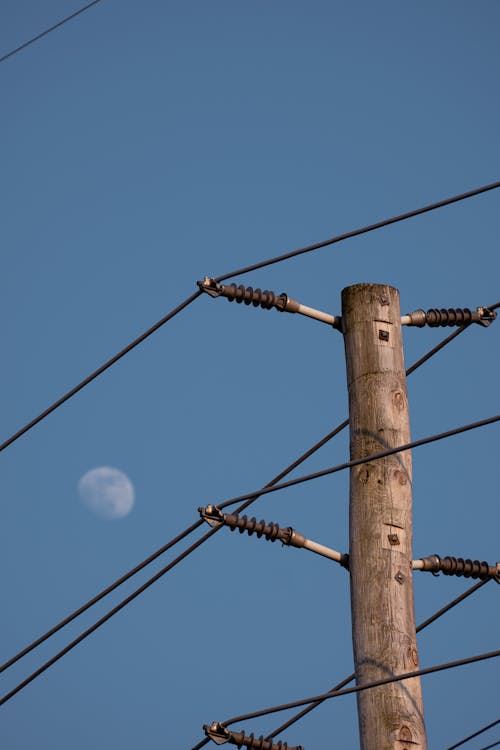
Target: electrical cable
{"type": "Point", "coordinates": [239, 272]}
{"type": "Point", "coordinates": [351, 677]}
{"type": "Point", "coordinates": [248, 499]}
{"type": "Point", "coordinates": [360, 461]}
{"type": "Point", "coordinates": [476, 734]}
{"type": "Point", "coordinates": [433, 617]}
{"type": "Point", "coordinates": [367, 686]}
{"type": "Point", "coordinates": [142, 588]}
{"type": "Point", "coordinates": [99, 371]}
{"type": "Point", "coordinates": [99, 596]}
{"type": "Point", "coordinates": [105, 618]}
{"type": "Point", "coordinates": [487, 747]}
{"type": "Point", "coordinates": [47, 31]}
{"type": "Point", "coordinates": [185, 533]}
{"type": "Point", "coordinates": [159, 552]}
{"type": "Point", "coordinates": [141, 338]}
{"type": "Point", "coordinates": [363, 230]}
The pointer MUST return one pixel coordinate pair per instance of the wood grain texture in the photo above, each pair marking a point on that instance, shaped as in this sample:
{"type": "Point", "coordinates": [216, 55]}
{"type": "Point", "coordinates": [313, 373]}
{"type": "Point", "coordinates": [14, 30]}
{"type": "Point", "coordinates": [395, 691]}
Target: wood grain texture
{"type": "Point", "coordinates": [380, 534]}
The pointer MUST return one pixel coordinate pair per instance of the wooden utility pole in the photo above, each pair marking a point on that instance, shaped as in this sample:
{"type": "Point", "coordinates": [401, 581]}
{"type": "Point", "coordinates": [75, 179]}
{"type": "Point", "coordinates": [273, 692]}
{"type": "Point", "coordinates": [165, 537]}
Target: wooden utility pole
{"type": "Point", "coordinates": [380, 534]}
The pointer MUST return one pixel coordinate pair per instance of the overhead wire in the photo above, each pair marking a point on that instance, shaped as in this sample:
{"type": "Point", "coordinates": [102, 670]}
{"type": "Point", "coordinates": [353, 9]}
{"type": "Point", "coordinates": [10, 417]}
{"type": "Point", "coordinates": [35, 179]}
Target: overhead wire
{"type": "Point", "coordinates": [60, 401]}
{"type": "Point", "coordinates": [99, 596]}
{"type": "Point", "coordinates": [367, 686]}
{"type": "Point", "coordinates": [475, 734]}
{"type": "Point", "coordinates": [239, 272]}
{"type": "Point", "coordinates": [422, 625]}
{"type": "Point", "coordinates": [488, 747]}
{"type": "Point", "coordinates": [49, 30]}
{"type": "Point", "coordinates": [122, 579]}
{"type": "Point", "coordinates": [439, 613]}
{"type": "Point", "coordinates": [252, 497]}
{"type": "Point", "coordinates": [360, 461]}
{"type": "Point", "coordinates": [362, 230]}
{"type": "Point", "coordinates": [247, 499]}
{"type": "Point", "coordinates": [142, 588]}
{"type": "Point", "coordinates": [351, 677]}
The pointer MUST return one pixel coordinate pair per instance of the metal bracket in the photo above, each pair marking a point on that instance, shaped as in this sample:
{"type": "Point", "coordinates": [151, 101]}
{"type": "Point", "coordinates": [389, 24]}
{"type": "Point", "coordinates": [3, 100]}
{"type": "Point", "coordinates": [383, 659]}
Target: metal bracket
{"type": "Point", "coordinates": [216, 732]}
{"type": "Point", "coordinates": [212, 515]}
{"type": "Point", "coordinates": [210, 286]}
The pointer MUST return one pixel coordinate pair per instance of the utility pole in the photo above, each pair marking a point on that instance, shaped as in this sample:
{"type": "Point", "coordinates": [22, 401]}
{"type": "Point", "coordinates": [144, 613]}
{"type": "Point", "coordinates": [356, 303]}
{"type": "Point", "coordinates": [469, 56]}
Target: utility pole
{"type": "Point", "coordinates": [380, 527]}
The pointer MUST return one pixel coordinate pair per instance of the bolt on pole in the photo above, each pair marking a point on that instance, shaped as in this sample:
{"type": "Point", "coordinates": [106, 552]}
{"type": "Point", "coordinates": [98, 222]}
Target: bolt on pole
{"type": "Point", "coordinates": [380, 521]}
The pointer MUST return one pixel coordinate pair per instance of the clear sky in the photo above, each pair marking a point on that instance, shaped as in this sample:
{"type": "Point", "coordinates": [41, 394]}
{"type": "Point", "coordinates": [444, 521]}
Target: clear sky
{"type": "Point", "coordinates": [144, 145]}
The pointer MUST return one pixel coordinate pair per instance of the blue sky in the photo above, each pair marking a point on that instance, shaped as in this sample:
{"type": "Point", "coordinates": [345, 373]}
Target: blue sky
{"type": "Point", "coordinates": [145, 145]}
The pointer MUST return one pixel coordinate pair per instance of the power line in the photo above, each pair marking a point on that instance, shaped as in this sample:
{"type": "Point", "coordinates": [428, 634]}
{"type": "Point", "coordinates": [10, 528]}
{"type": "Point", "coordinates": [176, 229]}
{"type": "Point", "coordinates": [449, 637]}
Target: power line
{"type": "Point", "coordinates": [367, 686]}
{"type": "Point", "coordinates": [476, 734]}
{"type": "Point", "coordinates": [360, 461]}
{"type": "Point", "coordinates": [363, 230]}
{"type": "Point", "coordinates": [173, 313]}
{"type": "Point", "coordinates": [105, 618]}
{"type": "Point", "coordinates": [248, 499]}
{"type": "Point", "coordinates": [47, 31]}
{"type": "Point", "coordinates": [142, 588]}
{"type": "Point", "coordinates": [351, 677]}
{"type": "Point", "coordinates": [99, 371]}
{"type": "Point", "coordinates": [187, 531]}
{"type": "Point", "coordinates": [99, 596]}
{"type": "Point", "coordinates": [487, 747]}
{"type": "Point", "coordinates": [159, 552]}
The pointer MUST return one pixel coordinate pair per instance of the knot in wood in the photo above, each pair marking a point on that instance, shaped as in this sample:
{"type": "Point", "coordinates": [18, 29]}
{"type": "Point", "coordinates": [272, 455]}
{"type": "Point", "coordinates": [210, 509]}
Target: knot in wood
{"type": "Point", "coordinates": [398, 400]}
{"type": "Point", "coordinates": [405, 735]}
{"type": "Point", "coordinates": [400, 476]}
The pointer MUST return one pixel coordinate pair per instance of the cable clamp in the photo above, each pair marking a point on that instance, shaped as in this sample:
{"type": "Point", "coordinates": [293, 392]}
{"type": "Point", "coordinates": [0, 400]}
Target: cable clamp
{"type": "Point", "coordinates": [218, 733]}
{"type": "Point", "coordinates": [212, 515]}
{"type": "Point", "coordinates": [487, 316]}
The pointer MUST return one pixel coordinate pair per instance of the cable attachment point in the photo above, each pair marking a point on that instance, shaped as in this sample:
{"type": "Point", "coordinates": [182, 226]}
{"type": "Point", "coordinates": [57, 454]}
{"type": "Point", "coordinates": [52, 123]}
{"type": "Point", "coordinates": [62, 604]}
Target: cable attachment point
{"type": "Point", "coordinates": [212, 515]}
{"type": "Point", "coordinates": [210, 286]}
{"type": "Point", "coordinates": [458, 566]}
{"type": "Point", "coordinates": [220, 735]}
{"type": "Point", "coordinates": [265, 299]}
{"type": "Point", "coordinates": [456, 316]}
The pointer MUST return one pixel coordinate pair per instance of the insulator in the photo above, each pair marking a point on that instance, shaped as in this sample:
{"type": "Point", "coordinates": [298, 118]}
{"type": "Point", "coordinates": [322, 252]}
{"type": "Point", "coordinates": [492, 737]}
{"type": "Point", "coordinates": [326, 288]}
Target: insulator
{"type": "Point", "coordinates": [256, 297]}
{"type": "Point", "coordinates": [271, 531]}
{"type": "Point", "coordinates": [242, 740]}
{"type": "Point", "coordinates": [452, 317]}
{"type": "Point", "coordinates": [220, 734]}
{"type": "Point", "coordinates": [457, 566]}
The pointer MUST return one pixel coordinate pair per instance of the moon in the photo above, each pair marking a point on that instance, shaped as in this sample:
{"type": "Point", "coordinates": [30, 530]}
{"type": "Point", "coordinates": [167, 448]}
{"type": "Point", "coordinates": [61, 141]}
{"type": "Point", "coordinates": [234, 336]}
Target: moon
{"type": "Point", "coordinates": [107, 492]}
